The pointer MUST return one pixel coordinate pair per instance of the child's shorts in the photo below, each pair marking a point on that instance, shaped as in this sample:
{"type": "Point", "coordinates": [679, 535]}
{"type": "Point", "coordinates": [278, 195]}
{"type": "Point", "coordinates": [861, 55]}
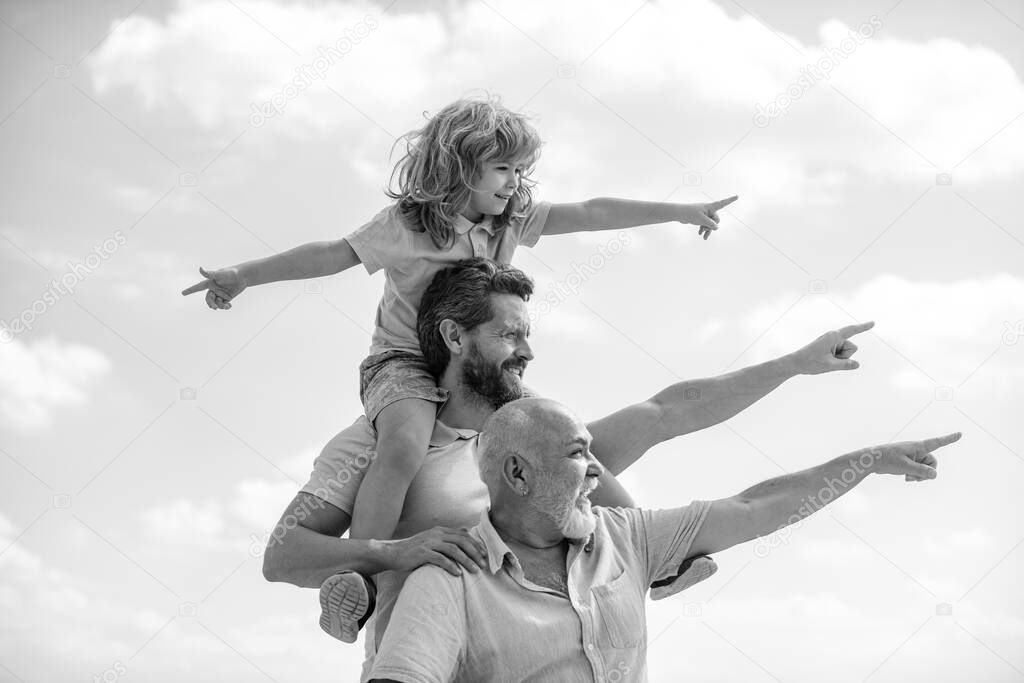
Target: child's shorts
{"type": "Point", "coordinates": [392, 376]}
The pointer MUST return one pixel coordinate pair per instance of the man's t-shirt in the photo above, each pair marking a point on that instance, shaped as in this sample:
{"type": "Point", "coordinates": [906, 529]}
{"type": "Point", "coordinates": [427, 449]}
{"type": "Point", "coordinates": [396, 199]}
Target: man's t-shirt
{"type": "Point", "coordinates": [497, 626]}
{"type": "Point", "coordinates": [447, 491]}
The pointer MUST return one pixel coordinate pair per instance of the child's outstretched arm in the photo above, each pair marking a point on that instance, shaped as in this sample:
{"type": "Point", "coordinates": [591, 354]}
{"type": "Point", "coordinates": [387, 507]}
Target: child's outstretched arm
{"type": "Point", "coordinates": [607, 213]}
{"type": "Point", "coordinates": [315, 259]}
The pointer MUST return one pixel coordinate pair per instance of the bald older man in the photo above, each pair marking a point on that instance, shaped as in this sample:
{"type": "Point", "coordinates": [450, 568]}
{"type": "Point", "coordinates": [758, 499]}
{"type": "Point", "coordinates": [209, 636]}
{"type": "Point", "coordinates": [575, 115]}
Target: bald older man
{"type": "Point", "coordinates": [562, 597]}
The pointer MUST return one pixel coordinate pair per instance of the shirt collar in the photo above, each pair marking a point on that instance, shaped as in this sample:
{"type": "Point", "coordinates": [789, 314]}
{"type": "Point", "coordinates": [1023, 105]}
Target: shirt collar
{"type": "Point", "coordinates": [497, 549]}
{"type": "Point", "coordinates": [463, 225]}
{"type": "Point", "coordinates": [443, 435]}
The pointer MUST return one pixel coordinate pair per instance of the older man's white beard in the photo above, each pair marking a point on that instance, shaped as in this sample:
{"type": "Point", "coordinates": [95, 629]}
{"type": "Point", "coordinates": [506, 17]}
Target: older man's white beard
{"type": "Point", "coordinates": [574, 518]}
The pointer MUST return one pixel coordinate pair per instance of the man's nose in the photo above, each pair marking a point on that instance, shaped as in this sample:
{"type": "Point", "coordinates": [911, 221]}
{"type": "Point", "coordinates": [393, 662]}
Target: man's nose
{"type": "Point", "coordinates": [594, 466]}
{"type": "Point", "coordinates": [524, 349]}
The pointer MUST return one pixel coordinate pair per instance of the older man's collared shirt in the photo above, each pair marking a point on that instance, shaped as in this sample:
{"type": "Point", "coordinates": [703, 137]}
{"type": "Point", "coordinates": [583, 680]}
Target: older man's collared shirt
{"type": "Point", "coordinates": [499, 626]}
{"type": "Point", "coordinates": [410, 259]}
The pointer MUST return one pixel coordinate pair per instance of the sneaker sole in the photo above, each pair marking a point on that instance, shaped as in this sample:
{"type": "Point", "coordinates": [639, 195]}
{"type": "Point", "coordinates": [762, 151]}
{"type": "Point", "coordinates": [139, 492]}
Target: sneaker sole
{"type": "Point", "coordinates": [343, 602]}
{"type": "Point", "coordinates": [683, 581]}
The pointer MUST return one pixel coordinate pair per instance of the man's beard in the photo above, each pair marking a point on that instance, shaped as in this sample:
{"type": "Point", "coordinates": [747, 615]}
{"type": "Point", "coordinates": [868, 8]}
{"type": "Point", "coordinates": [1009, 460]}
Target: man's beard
{"type": "Point", "coordinates": [491, 383]}
{"type": "Point", "coordinates": [570, 511]}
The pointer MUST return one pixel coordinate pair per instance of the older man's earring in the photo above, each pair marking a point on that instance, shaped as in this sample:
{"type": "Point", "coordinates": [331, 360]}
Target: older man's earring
{"type": "Point", "coordinates": [523, 491]}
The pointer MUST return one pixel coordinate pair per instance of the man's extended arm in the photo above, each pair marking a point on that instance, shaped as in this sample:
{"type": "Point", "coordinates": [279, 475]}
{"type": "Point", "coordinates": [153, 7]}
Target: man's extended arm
{"type": "Point", "coordinates": [689, 406]}
{"type": "Point", "coordinates": [771, 505]}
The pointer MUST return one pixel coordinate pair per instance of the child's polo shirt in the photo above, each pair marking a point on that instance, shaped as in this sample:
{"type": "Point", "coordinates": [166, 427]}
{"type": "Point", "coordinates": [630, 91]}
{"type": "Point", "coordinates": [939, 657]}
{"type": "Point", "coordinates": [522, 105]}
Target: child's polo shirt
{"type": "Point", "coordinates": [410, 259]}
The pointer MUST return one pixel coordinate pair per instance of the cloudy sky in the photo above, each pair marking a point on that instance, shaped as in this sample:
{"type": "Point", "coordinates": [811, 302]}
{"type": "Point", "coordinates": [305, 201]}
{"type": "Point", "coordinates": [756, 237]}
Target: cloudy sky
{"type": "Point", "coordinates": [148, 443]}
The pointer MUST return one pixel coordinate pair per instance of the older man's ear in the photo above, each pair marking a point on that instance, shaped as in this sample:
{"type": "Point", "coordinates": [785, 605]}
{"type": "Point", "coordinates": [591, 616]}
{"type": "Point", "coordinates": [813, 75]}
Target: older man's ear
{"type": "Point", "coordinates": [513, 475]}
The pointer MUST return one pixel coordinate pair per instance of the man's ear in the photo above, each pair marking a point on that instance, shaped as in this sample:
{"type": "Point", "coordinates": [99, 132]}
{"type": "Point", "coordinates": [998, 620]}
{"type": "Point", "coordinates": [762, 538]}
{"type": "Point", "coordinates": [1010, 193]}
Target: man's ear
{"type": "Point", "coordinates": [513, 471]}
{"type": "Point", "coordinates": [453, 335]}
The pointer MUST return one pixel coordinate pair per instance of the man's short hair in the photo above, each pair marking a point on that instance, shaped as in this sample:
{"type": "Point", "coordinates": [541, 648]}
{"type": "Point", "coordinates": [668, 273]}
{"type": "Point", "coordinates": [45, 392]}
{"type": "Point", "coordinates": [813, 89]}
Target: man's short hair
{"type": "Point", "coordinates": [462, 292]}
{"type": "Point", "coordinates": [505, 433]}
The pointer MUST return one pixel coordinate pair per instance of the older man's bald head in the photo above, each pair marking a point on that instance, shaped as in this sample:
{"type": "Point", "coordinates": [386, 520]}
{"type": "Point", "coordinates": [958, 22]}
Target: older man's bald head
{"type": "Point", "coordinates": [529, 428]}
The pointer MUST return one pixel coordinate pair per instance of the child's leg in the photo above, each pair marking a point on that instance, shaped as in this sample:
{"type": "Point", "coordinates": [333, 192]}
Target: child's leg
{"type": "Point", "coordinates": [403, 436]}
{"type": "Point", "coordinates": [347, 600]}
{"type": "Point", "coordinates": [400, 396]}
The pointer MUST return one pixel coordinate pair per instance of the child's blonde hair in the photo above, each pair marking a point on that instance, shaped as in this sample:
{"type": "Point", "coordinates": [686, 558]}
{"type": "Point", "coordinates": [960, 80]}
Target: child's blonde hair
{"type": "Point", "coordinates": [444, 158]}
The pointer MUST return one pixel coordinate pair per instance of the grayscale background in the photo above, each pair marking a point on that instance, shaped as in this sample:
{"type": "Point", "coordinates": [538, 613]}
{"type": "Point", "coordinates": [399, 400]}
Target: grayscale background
{"type": "Point", "coordinates": [148, 444]}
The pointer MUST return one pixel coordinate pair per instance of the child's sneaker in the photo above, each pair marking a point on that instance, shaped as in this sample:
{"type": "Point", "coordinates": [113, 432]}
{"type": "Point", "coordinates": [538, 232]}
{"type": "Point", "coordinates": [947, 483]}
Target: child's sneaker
{"type": "Point", "coordinates": [691, 571]}
{"type": "Point", "coordinates": [346, 602]}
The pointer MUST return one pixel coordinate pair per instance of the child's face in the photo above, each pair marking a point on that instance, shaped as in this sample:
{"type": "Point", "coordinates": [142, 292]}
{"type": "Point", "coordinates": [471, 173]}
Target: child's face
{"type": "Point", "coordinates": [497, 183]}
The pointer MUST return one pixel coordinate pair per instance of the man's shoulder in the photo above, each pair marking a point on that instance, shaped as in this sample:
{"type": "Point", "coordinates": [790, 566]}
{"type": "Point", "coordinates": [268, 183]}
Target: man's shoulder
{"type": "Point", "coordinates": [630, 521]}
{"type": "Point", "coordinates": [356, 436]}
{"type": "Point", "coordinates": [617, 525]}
{"type": "Point", "coordinates": [431, 574]}
{"type": "Point", "coordinates": [360, 436]}
{"type": "Point", "coordinates": [616, 517]}
{"type": "Point", "coordinates": [430, 582]}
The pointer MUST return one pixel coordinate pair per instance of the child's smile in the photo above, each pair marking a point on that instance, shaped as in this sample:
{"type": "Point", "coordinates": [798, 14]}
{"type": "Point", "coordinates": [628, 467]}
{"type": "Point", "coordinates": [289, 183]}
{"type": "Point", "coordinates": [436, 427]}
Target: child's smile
{"type": "Point", "coordinates": [495, 187]}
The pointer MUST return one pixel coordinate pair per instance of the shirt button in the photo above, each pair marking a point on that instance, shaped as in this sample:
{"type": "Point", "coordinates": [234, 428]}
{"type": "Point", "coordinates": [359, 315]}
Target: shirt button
{"type": "Point", "coordinates": [590, 646]}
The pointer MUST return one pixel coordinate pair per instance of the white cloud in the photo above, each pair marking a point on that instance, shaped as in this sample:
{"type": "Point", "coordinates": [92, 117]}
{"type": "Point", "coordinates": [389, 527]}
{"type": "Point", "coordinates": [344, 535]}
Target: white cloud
{"type": "Point", "coordinates": [77, 625]}
{"type": "Point", "coordinates": [947, 329]}
{"type": "Point", "coordinates": [35, 379]}
{"type": "Point", "coordinates": [213, 61]}
{"type": "Point", "coordinates": [834, 552]}
{"type": "Point", "coordinates": [185, 520]}
{"type": "Point", "coordinates": [708, 330]}
{"type": "Point", "coordinates": [232, 521]}
{"type": "Point", "coordinates": [960, 541]}
{"type": "Point", "coordinates": [67, 625]}
{"type": "Point", "coordinates": [257, 502]}
{"type": "Point", "coordinates": [129, 291]}
{"type": "Point", "coordinates": [961, 96]}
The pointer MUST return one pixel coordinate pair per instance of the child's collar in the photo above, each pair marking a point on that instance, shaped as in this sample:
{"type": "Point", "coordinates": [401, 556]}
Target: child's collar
{"type": "Point", "coordinates": [463, 225]}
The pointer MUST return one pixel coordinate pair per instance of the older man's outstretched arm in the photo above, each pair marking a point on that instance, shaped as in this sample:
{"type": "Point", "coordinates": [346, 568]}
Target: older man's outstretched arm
{"type": "Point", "coordinates": [771, 505]}
{"type": "Point", "coordinates": [689, 406]}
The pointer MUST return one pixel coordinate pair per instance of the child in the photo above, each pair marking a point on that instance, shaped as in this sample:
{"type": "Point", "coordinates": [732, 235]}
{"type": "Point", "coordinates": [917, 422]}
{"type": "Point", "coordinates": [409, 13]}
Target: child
{"type": "Point", "coordinates": [463, 189]}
